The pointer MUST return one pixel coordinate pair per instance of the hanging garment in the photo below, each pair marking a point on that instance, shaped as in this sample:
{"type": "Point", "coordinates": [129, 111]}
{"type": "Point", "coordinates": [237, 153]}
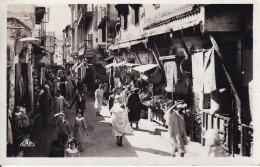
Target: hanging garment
{"type": "Point", "coordinates": [197, 72]}
{"type": "Point", "coordinates": [117, 82]}
{"type": "Point", "coordinates": [170, 68]}
{"type": "Point", "coordinates": [209, 78]}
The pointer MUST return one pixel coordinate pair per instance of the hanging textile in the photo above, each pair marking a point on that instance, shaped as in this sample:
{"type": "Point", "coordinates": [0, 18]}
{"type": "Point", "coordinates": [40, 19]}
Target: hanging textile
{"type": "Point", "coordinates": [21, 91]}
{"type": "Point", "coordinates": [197, 71]}
{"type": "Point", "coordinates": [171, 72]}
{"type": "Point", "coordinates": [203, 72]}
{"type": "Point", "coordinates": [117, 82]}
{"type": "Point", "coordinates": [209, 78]}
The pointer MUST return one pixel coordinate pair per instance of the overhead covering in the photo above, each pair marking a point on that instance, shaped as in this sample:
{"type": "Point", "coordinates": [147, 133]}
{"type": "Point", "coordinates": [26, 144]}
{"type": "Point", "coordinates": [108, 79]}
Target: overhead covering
{"type": "Point", "coordinates": [126, 44]}
{"type": "Point", "coordinates": [110, 65]}
{"type": "Point", "coordinates": [175, 23]}
{"type": "Point", "coordinates": [131, 64]}
{"type": "Point", "coordinates": [103, 63]}
{"type": "Point", "coordinates": [144, 68]}
{"type": "Point", "coordinates": [167, 57]}
{"type": "Point", "coordinates": [74, 66]}
{"type": "Point", "coordinates": [109, 58]}
{"type": "Point", "coordinates": [120, 64]}
{"type": "Point", "coordinates": [29, 39]}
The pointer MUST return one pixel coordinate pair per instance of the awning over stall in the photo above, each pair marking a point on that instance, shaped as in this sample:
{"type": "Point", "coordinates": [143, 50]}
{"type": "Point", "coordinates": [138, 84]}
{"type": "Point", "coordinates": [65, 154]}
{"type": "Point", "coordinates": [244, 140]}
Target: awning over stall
{"type": "Point", "coordinates": [131, 64]}
{"type": "Point", "coordinates": [126, 44]}
{"type": "Point", "coordinates": [144, 68]}
{"type": "Point", "coordinates": [74, 66]}
{"type": "Point", "coordinates": [110, 65]}
{"type": "Point", "coordinates": [120, 64]}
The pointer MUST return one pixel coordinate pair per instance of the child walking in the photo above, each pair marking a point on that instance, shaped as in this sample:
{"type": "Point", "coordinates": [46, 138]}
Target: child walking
{"type": "Point", "coordinates": [214, 142]}
{"type": "Point", "coordinates": [80, 130]}
{"type": "Point", "coordinates": [72, 150]}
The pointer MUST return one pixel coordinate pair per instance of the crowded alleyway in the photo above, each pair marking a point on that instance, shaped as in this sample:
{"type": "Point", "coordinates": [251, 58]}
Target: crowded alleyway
{"type": "Point", "coordinates": [151, 140]}
{"type": "Point", "coordinates": [130, 80]}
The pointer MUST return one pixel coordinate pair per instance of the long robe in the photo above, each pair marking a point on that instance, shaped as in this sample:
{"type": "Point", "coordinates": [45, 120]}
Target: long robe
{"type": "Point", "coordinates": [80, 129]}
{"type": "Point", "coordinates": [98, 99]}
{"type": "Point", "coordinates": [80, 102]}
{"type": "Point", "coordinates": [59, 104]}
{"type": "Point", "coordinates": [119, 120]}
{"type": "Point", "coordinates": [45, 104]}
{"type": "Point", "coordinates": [63, 86]}
{"type": "Point", "coordinates": [69, 88]}
{"type": "Point", "coordinates": [135, 106]}
{"type": "Point", "coordinates": [177, 131]}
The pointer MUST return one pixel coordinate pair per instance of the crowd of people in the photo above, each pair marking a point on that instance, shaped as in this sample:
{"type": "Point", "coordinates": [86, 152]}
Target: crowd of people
{"type": "Point", "coordinates": [125, 108]}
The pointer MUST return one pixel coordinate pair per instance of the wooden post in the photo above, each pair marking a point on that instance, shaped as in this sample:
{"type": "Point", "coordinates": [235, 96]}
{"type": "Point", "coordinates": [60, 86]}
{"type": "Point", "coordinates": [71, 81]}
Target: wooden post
{"type": "Point", "coordinates": [137, 57]}
{"type": "Point", "coordinates": [238, 102]}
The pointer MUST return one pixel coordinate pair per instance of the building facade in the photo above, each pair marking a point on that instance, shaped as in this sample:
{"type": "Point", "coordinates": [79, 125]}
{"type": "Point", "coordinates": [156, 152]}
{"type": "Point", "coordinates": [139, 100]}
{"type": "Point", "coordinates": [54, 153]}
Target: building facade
{"type": "Point", "coordinates": [22, 52]}
{"type": "Point", "coordinates": [58, 52]}
{"type": "Point", "coordinates": [164, 34]}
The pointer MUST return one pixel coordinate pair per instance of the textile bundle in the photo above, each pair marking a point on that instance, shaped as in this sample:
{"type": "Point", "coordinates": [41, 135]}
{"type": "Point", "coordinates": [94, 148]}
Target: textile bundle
{"type": "Point", "coordinates": [171, 75]}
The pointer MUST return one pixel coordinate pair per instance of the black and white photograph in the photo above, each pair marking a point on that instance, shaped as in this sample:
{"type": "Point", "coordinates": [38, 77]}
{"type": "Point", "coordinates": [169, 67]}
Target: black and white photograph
{"type": "Point", "coordinates": [142, 81]}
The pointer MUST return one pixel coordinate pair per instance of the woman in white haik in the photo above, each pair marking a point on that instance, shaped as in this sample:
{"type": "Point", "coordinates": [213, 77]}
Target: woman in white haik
{"type": "Point", "coordinates": [119, 120]}
{"type": "Point", "coordinates": [175, 121]}
{"type": "Point", "coordinates": [80, 130]}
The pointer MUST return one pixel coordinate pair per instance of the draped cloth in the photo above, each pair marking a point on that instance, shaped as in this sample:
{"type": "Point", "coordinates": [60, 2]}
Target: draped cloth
{"type": "Point", "coordinates": [170, 68]}
{"type": "Point", "coordinates": [209, 77]}
{"type": "Point", "coordinates": [197, 71]}
{"type": "Point", "coordinates": [203, 71]}
{"type": "Point", "coordinates": [119, 120]}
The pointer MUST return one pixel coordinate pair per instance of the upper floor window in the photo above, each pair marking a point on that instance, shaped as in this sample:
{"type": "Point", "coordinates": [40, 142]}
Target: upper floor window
{"type": "Point", "coordinates": [135, 13]}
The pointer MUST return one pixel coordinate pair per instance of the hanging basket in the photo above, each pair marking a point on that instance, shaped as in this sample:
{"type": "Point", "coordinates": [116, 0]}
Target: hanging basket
{"type": "Point", "coordinates": [185, 66]}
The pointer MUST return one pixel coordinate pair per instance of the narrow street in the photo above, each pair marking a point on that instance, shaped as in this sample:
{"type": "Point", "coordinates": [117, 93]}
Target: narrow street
{"type": "Point", "coordinates": [151, 140]}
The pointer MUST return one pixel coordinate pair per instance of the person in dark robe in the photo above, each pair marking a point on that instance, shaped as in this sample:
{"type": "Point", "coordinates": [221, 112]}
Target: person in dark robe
{"type": "Point", "coordinates": [80, 99]}
{"type": "Point", "coordinates": [80, 85]}
{"type": "Point", "coordinates": [45, 105]}
{"type": "Point", "coordinates": [135, 106]}
{"type": "Point", "coordinates": [55, 151]}
{"type": "Point", "coordinates": [63, 86]}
